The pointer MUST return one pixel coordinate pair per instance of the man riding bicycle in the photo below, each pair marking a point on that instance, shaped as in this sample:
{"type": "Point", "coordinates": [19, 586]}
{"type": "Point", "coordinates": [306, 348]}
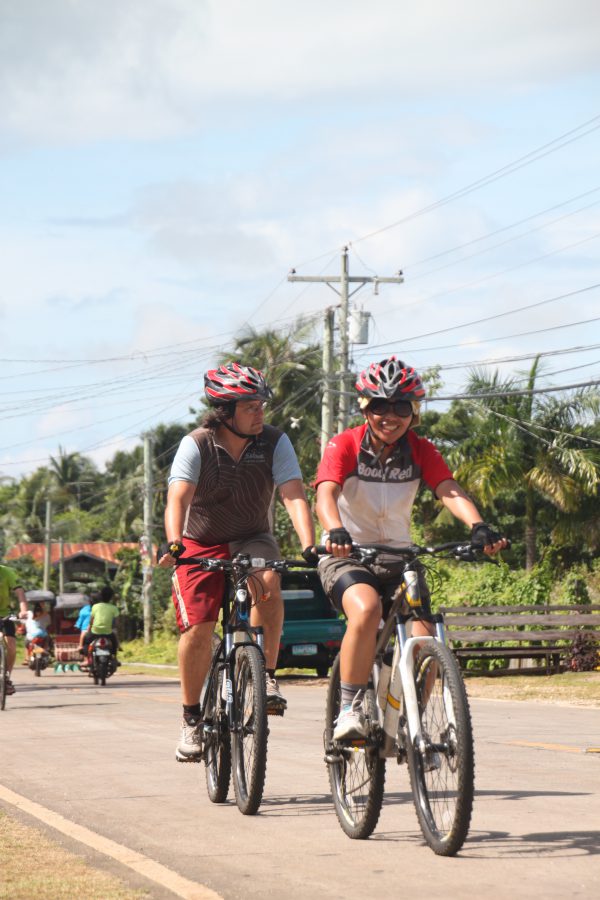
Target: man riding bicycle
{"type": "Point", "coordinates": [366, 483]}
{"type": "Point", "coordinates": [219, 503]}
{"type": "Point", "coordinates": [10, 584]}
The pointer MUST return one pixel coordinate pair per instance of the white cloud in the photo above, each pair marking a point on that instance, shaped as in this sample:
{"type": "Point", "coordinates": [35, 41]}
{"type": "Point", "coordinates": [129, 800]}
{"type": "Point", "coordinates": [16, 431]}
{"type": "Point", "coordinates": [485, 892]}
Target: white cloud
{"type": "Point", "coordinates": [76, 71]}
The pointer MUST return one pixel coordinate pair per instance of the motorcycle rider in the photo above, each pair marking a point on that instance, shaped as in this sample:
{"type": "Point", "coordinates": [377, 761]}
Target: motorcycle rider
{"type": "Point", "coordinates": [102, 621]}
{"type": "Point", "coordinates": [37, 622]}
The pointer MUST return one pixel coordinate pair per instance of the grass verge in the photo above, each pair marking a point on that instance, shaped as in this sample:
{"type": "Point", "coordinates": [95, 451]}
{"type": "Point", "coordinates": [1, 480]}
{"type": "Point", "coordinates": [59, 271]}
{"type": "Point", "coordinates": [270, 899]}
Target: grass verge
{"type": "Point", "coordinates": [33, 865]}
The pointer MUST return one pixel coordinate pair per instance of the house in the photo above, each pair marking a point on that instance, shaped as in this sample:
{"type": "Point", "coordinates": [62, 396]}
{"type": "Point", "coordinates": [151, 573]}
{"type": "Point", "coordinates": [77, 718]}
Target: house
{"type": "Point", "coordinates": [90, 558]}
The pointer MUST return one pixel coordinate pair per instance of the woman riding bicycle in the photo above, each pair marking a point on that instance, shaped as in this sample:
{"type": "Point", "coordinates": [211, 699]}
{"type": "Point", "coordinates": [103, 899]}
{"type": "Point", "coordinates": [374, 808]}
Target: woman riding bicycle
{"type": "Point", "coordinates": [366, 483]}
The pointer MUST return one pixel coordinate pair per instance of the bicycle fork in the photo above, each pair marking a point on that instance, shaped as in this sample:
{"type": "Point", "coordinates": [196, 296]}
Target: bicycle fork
{"type": "Point", "coordinates": [402, 695]}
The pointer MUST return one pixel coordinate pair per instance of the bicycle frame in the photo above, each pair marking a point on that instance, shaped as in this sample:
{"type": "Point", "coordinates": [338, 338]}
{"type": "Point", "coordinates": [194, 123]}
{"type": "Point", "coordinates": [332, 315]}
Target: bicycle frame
{"type": "Point", "coordinates": [406, 664]}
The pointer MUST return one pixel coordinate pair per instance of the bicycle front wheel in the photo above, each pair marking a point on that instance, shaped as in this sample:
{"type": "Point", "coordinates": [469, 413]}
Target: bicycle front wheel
{"type": "Point", "coordinates": [3, 672]}
{"type": "Point", "coordinates": [217, 745]}
{"type": "Point", "coordinates": [442, 768]}
{"type": "Point", "coordinates": [249, 739]}
{"type": "Point", "coordinates": [356, 772]}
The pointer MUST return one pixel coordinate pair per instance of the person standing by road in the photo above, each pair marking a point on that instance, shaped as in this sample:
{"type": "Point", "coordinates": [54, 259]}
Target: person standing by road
{"type": "Point", "coordinates": [219, 503]}
{"type": "Point", "coordinates": [10, 585]}
{"type": "Point", "coordinates": [366, 483]}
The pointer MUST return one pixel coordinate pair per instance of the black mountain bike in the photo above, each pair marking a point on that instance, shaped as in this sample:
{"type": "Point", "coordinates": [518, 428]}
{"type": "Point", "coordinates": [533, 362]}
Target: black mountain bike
{"type": "Point", "coordinates": [417, 712]}
{"type": "Point", "coordinates": [234, 702]}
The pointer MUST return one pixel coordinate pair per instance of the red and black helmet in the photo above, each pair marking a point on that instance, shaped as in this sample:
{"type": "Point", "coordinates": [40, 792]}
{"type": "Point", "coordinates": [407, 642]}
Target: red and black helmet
{"type": "Point", "coordinates": [390, 379]}
{"type": "Point", "coordinates": [232, 381]}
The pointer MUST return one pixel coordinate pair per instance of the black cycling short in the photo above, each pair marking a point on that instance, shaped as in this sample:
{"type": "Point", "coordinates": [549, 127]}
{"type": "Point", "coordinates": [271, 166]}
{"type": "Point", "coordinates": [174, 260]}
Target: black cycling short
{"type": "Point", "coordinates": [385, 574]}
{"type": "Point", "coordinates": [8, 627]}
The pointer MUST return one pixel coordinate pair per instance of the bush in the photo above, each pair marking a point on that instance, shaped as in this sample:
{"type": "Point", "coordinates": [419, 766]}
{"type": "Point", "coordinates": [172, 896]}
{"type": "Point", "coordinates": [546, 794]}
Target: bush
{"type": "Point", "coordinates": [584, 654]}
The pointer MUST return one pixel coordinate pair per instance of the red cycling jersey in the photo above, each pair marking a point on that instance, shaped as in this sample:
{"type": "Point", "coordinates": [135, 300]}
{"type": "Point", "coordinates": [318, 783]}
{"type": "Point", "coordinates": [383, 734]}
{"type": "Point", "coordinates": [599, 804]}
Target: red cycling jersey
{"type": "Point", "coordinates": [377, 497]}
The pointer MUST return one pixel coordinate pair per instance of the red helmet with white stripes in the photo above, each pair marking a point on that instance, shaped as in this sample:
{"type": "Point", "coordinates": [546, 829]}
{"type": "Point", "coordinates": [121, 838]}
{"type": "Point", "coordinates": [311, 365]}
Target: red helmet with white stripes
{"type": "Point", "coordinates": [232, 381]}
{"type": "Point", "coordinates": [390, 379]}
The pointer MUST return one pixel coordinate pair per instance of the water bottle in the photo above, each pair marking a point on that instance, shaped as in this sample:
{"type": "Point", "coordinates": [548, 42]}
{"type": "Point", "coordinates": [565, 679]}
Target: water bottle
{"type": "Point", "coordinates": [384, 679]}
{"type": "Point", "coordinates": [392, 708]}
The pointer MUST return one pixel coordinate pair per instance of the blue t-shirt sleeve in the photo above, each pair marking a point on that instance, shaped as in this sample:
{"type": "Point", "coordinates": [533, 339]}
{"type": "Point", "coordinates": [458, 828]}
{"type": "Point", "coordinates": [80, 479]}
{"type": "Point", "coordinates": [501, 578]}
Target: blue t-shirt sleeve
{"type": "Point", "coordinates": [186, 465]}
{"type": "Point", "coordinates": [285, 462]}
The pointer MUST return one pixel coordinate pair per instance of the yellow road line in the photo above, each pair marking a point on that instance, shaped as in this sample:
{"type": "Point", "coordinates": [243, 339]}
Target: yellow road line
{"type": "Point", "coordinates": [563, 748]}
{"type": "Point", "coordinates": [143, 865]}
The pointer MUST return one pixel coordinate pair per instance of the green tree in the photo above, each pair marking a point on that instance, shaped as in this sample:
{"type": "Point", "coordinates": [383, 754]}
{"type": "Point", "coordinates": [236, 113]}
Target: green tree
{"type": "Point", "coordinates": [533, 443]}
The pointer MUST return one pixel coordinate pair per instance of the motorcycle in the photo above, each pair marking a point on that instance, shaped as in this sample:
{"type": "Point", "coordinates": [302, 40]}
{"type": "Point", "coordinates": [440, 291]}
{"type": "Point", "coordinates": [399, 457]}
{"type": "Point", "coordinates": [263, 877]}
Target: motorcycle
{"type": "Point", "coordinates": [101, 659]}
{"type": "Point", "coordinates": [38, 655]}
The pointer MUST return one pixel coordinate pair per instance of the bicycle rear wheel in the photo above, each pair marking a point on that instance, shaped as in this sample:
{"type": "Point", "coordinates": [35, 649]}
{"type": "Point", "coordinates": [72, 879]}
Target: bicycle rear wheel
{"type": "Point", "coordinates": [217, 745]}
{"type": "Point", "coordinates": [249, 740]}
{"type": "Point", "coordinates": [356, 772]}
{"type": "Point", "coordinates": [442, 769]}
{"type": "Point", "coordinates": [3, 672]}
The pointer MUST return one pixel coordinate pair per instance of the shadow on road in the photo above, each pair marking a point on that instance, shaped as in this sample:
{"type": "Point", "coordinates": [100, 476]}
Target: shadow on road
{"type": "Point", "coordinates": [499, 844]}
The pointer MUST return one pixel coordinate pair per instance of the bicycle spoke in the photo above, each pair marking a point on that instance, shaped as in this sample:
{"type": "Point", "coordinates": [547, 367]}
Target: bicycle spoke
{"type": "Point", "coordinates": [356, 773]}
{"type": "Point", "coordinates": [441, 767]}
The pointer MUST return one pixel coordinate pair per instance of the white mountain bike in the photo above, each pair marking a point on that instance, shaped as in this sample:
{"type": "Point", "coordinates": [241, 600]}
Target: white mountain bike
{"type": "Point", "coordinates": [417, 712]}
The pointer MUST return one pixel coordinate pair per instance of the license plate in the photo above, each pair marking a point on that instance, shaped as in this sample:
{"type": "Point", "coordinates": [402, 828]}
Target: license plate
{"type": "Point", "coordinates": [304, 649]}
{"type": "Point", "coordinates": [102, 652]}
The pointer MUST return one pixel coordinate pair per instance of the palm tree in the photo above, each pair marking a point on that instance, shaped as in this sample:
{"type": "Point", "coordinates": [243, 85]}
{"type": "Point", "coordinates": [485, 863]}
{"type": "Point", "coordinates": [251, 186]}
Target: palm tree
{"type": "Point", "coordinates": [538, 443]}
{"type": "Point", "coordinates": [292, 365]}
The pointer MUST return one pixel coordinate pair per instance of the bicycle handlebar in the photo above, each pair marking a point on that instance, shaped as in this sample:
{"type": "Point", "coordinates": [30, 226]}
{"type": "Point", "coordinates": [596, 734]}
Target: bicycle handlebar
{"type": "Point", "coordinates": [242, 562]}
{"type": "Point", "coordinates": [464, 551]}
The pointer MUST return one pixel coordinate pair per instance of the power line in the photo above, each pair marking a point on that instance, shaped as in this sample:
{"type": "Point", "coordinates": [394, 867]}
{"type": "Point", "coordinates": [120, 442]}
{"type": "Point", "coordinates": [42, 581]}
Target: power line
{"type": "Point", "coordinates": [531, 157]}
{"type": "Point", "coordinates": [521, 393]}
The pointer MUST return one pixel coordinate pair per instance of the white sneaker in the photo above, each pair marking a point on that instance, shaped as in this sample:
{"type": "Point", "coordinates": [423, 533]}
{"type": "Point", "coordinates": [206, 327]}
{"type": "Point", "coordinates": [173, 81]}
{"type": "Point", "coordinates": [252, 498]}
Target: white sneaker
{"type": "Point", "coordinates": [189, 748]}
{"type": "Point", "coordinates": [274, 695]}
{"type": "Point", "coordinates": [351, 723]}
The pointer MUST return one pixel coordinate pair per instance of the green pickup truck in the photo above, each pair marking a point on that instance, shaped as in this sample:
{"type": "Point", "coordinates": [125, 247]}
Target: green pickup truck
{"type": "Point", "coordinates": [312, 631]}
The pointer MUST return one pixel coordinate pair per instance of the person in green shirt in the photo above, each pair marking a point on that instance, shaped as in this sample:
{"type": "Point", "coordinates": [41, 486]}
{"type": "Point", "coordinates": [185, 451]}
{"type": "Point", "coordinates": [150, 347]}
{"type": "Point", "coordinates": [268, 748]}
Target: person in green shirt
{"type": "Point", "coordinates": [102, 620]}
{"type": "Point", "coordinates": [9, 585]}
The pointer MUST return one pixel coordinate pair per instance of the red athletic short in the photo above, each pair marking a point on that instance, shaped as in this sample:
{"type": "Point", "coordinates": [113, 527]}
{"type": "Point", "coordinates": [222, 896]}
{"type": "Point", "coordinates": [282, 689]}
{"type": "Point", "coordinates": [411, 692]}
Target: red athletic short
{"type": "Point", "coordinates": [197, 595]}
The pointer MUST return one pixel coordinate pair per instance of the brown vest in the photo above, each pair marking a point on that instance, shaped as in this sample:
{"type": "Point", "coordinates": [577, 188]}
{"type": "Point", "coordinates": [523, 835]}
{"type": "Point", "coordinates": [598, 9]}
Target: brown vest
{"type": "Point", "coordinates": [232, 500]}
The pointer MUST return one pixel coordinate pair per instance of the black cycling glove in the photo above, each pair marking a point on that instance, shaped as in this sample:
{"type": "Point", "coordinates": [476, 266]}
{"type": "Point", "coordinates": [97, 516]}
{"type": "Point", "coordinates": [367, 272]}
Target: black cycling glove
{"type": "Point", "coordinates": [175, 548]}
{"type": "Point", "coordinates": [310, 556]}
{"type": "Point", "coordinates": [339, 536]}
{"type": "Point", "coordinates": [482, 535]}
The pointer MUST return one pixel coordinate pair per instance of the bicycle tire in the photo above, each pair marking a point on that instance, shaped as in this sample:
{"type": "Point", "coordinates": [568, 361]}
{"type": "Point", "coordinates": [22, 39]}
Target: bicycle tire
{"type": "Point", "coordinates": [38, 665]}
{"type": "Point", "coordinates": [249, 739]}
{"type": "Point", "coordinates": [443, 775]}
{"type": "Point", "coordinates": [356, 773]}
{"type": "Point", "coordinates": [217, 742]}
{"type": "Point", "coordinates": [3, 672]}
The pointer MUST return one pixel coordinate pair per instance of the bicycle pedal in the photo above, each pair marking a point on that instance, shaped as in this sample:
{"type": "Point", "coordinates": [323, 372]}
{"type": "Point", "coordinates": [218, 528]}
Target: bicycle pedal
{"type": "Point", "coordinates": [188, 759]}
{"type": "Point", "coordinates": [275, 710]}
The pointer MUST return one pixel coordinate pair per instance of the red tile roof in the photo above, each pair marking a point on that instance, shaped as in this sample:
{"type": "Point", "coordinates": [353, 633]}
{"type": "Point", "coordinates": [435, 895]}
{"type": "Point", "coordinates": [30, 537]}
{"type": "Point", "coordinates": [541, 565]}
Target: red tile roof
{"type": "Point", "coordinates": [103, 550]}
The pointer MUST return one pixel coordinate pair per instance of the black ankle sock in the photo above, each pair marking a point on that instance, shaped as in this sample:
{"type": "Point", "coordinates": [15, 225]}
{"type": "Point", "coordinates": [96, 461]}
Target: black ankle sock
{"type": "Point", "coordinates": [271, 673]}
{"type": "Point", "coordinates": [191, 713]}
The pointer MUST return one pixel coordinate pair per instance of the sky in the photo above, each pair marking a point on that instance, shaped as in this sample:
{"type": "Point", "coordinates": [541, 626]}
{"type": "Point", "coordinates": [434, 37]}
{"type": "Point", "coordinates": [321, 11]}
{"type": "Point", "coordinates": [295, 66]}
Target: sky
{"type": "Point", "coordinates": [164, 164]}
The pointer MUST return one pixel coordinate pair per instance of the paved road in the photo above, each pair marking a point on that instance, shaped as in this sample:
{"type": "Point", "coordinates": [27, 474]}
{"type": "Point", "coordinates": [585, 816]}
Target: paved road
{"type": "Point", "coordinates": [103, 758]}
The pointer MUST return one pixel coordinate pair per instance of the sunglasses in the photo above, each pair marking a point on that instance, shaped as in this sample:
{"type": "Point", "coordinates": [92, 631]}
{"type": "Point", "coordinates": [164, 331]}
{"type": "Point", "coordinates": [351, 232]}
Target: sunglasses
{"type": "Point", "coordinates": [402, 408]}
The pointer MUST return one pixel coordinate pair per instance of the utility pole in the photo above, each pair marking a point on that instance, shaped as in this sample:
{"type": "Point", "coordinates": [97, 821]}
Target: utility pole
{"type": "Point", "coordinates": [61, 565]}
{"type": "Point", "coordinates": [327, 404]}
{"type": "Point", "coordinates": [48, 543]}
{"type": "Point", "coordinates": [343, 280]}
{"type": "Point", "coordinates": [146, 541]}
